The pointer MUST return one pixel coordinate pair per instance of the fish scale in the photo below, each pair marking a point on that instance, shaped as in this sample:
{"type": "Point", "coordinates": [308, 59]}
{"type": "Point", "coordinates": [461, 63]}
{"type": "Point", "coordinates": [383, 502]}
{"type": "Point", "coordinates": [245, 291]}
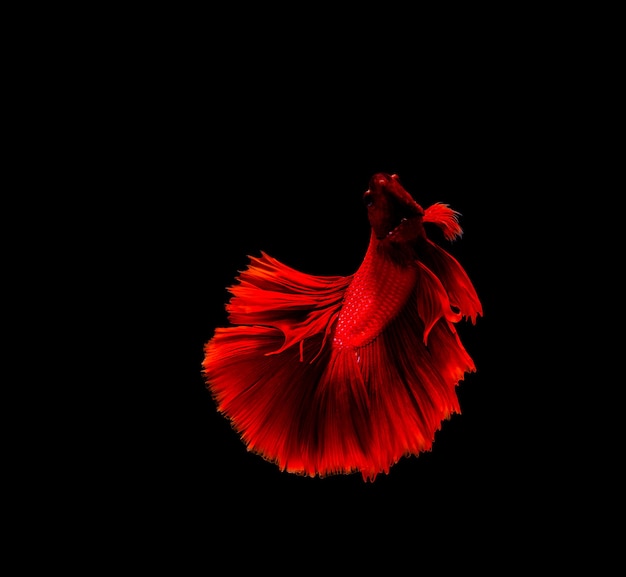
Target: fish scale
{"type": "Point", "coordinates": [377, 293]}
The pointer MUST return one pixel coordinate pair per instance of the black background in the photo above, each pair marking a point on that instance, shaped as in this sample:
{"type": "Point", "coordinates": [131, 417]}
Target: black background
{"type": "Point", "coordinates": [294, 191]}
{"type": "Point", "coordinates": [170, 146]}
{"type": "Point", "coordinates": [209, 167]}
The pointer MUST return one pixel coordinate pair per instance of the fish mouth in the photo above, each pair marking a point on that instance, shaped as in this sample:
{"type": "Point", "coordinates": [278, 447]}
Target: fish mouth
{"type": "Point", "coordinates": [403, 213]}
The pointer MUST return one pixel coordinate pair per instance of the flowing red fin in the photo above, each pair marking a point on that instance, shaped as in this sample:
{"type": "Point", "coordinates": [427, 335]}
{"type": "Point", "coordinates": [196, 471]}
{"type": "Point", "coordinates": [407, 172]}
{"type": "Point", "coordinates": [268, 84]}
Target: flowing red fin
{"type": "Point", "coordinates": [446, 218]}
{"type": "Point", "coordinates": [336, 433]}
{"type": "Point", "coordinates": [411, 388]}
{"type": "Point", "coordinates": [432, 300]}
{"type": "Point", "coordinates": [300, 305]}
{"type": "Point", "coordinates": [455, 280]}
{"type": "Point", "coordinates": [266, 397]}
{"type": "Point", "coordinates": [310, 419]}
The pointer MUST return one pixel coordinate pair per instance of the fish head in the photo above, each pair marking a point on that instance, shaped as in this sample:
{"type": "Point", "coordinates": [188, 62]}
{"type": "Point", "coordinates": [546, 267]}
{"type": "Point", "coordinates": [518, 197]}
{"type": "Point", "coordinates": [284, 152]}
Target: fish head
{"type": "Point", "coordinates": [393, 214]}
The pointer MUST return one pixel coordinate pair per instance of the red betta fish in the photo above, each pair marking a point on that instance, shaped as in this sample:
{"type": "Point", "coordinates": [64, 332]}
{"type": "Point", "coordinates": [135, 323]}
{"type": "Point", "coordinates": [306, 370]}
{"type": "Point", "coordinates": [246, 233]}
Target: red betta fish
{"type": "Point", "coordinates": [326, 375]}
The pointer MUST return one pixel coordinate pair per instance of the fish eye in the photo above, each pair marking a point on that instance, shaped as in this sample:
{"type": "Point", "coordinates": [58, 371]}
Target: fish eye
{"type": "Point", "coordinates": [368, 199]}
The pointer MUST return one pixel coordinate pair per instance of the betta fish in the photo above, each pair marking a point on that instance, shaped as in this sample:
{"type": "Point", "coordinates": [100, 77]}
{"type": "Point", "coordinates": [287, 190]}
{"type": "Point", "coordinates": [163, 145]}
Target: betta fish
{"type": "Point", "coordinates": [327, 375]}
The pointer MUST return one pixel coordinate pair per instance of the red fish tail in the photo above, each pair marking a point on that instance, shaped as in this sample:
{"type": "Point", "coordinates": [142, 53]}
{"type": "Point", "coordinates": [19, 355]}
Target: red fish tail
{"type": "Point", "coordinates": [411, 386]}
{"type": "Point", "coordinates": [266, 397]}
{"type": "Point", "coordinates": [266, 372]}
{"type": "Point", "coordinates": [336, 435]}
{"type": "Point", "coordinates": [307, 418]}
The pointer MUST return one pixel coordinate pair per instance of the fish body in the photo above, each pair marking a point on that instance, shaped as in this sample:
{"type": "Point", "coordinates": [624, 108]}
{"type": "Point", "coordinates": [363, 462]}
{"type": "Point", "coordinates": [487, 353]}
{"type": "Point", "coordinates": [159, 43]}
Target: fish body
{"type": "Point", "coordinates": [377, 293]}
{"type": "Point", "coordinates": [326, 375]}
